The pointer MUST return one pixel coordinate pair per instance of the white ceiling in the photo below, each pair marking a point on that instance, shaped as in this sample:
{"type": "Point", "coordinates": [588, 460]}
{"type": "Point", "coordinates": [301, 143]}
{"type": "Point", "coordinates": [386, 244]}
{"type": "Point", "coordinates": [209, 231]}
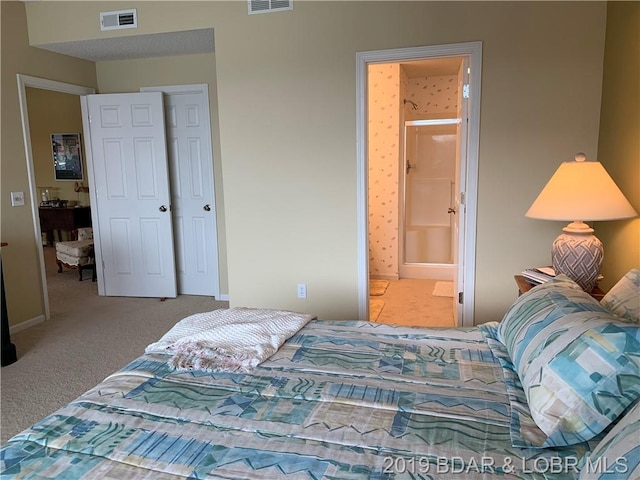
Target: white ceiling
{"type": "Point", "coordinates": [432, 68]}
{"type": "Point", "coordinates": [137, 46]}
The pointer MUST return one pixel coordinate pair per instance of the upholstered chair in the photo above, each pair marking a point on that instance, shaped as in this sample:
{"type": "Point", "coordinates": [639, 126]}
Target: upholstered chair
{"type": "Point", "coordinates": [78, 253]}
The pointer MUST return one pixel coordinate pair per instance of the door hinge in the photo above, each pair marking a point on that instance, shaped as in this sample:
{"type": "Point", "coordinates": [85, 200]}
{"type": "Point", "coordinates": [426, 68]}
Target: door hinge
{"type": "Point", "coordinates": [465, 90]}
{"type": "Point", "coordinates": [89, 118]}
{"type": "Point", "coordinates": [463, 198]}
{"type": "Point", "coordinates": [460, 298]}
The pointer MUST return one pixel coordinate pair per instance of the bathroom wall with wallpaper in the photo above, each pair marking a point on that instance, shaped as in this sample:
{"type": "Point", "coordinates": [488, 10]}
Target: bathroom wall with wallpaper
{"type": "Point", "coordinates": [436, 97]}
{"type": "Point", "coordinates": [388, 84]}
{"type": "Point", "coordinates": [384, 154]}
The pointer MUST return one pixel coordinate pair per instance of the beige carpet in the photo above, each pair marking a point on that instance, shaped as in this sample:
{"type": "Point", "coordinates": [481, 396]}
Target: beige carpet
{"type": "Point", "coordinates": [375, 308]}
{"type": "Point", "coordinates": [443, 289]}
{"type": "Point", "coordinates": [377, 287]}
{"type": "Point", "coordinates": [88, 338]}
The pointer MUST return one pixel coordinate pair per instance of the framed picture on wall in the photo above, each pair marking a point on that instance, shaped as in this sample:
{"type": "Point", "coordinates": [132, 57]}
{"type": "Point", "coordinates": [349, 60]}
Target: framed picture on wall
{"type": "Point", "coordinates": [67, 156]}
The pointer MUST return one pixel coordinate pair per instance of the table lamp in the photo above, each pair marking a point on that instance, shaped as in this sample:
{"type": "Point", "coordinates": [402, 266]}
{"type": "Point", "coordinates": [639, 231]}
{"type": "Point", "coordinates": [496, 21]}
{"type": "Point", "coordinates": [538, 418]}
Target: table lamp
{"type": "Point", "coordinates": [580, 190]}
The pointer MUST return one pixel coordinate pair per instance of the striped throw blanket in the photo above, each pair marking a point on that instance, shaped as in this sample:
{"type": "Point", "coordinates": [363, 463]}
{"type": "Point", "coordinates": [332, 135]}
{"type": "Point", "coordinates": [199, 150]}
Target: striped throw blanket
{"type": "Point", "coordinates": [230, 340]}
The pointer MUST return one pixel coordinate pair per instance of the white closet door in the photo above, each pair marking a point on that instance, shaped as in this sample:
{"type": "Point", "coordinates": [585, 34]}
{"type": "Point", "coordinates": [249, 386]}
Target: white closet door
{"type": "Point", "coordinates": [192, 187]}
{"type": "Point", "coordinates": [130, 194]}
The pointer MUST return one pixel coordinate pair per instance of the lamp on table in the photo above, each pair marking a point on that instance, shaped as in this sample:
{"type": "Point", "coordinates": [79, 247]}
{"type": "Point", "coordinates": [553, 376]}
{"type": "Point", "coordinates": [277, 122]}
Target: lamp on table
{"type": "Point", "coordinates": [580, 190]}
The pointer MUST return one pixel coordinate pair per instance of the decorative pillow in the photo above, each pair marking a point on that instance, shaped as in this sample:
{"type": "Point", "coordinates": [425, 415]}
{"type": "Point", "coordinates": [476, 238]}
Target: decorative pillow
{"type": "Point", "coordinates": [537, 308]}
{"type": "Point", "coordinates": [85, 233]}
{"type": "Point", "coordinates": [578, 364]}
{"type": "Point", "coordinates": [523, 430]}
{"type": "Point", "coordinates": [618, 453]}
{"type": "Point", "coordinates": [624, 298]}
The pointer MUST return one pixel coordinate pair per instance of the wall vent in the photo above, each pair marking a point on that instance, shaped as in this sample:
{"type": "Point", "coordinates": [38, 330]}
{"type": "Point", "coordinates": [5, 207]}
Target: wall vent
{"type": "Point", "coordinates": [268, 6]}
{"type": "Point", "coordinates": [118, 20]}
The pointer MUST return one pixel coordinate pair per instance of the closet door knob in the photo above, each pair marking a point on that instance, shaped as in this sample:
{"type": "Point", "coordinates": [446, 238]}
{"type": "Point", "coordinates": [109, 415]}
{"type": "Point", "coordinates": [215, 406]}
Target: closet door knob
{"type": "Point", "coordinates": [207, 208]}
{"type": "Point", "coordinates": [163, 208]}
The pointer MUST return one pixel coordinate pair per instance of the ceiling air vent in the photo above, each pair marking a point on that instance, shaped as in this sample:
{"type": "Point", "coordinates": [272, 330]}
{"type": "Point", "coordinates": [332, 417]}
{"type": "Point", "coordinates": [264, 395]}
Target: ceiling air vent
{"type": "Point", "coordinates": [118, 20]}
{"type": "Point", "coordinates": [267, 6]}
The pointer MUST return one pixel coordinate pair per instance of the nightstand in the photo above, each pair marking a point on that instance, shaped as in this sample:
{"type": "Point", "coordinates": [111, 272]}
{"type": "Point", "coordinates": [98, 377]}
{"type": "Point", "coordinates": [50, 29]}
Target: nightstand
{"type": "Point", "coordinates": [524, 286]}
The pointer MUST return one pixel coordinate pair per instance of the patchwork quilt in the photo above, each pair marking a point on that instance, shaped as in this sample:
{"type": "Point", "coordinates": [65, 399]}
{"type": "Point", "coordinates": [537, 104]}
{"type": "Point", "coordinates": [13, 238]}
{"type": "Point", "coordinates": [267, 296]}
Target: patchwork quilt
{"type": "Point", "coordinates": [339, 400]}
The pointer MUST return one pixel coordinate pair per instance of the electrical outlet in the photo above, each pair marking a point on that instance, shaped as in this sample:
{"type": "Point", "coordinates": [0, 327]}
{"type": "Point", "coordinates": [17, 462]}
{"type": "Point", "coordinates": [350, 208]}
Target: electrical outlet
{"type": "Point", "coordinates": [302, 290]}
{"type": "Point", "coordinates": [17, 199]}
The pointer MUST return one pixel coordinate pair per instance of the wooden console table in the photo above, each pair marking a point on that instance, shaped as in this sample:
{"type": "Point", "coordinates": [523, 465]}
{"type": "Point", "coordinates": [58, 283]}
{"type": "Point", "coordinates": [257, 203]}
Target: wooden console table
{"type": "Point", "coordinates": [63, 218]}
{"type": "Point", "coordinates": [524, 286]}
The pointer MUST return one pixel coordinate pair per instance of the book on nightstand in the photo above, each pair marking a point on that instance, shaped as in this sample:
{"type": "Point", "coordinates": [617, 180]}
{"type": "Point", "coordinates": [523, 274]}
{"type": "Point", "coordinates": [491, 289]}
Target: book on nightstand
{"type": "Point", "coordinates": [539, 275]}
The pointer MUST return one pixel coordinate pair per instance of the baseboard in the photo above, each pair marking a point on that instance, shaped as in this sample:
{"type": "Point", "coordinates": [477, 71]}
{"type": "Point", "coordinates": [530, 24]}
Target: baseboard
{"type": "Point", "coordinates": [384, 277]}
{"type": "Point", "coordinates": [26, 324]}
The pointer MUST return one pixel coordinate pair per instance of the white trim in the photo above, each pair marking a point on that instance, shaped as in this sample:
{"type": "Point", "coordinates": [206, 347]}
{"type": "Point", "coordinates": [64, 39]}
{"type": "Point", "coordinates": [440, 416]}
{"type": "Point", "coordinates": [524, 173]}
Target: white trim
{"type": "Point", "coordinates": [428, 123]}
{"type": "Point", "coordinates": [224, 297]}
{"type": "Point", "coordinates": [93, 196]}
{"type": "Point", "coordinates": [362, 179]}
{"type": "Point", "coordinates": [25, 81]}
{"type": "Point", "coordinates": [26, 324]}
{"type": "Point", "coordinates": [474, 51]}
{"type": "Point", "coordinates": [180, 89]}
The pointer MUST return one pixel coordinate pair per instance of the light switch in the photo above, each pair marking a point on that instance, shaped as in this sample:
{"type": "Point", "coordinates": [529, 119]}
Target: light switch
{"type": "Point", "coordinates": [17, 199]}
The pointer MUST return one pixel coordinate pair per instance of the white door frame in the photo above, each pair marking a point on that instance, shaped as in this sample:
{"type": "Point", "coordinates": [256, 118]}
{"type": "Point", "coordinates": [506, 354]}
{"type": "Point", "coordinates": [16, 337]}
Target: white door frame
{"type": "Point", "coordinates": [466, 276]}
{"type": "Point", "coordinates": [25, 81]}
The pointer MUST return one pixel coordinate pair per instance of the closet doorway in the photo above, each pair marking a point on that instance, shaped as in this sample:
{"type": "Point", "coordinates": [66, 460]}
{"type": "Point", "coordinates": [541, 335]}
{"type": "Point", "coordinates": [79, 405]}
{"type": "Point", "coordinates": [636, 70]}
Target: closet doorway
{"type": "Point", "coordinates": [176, 192]}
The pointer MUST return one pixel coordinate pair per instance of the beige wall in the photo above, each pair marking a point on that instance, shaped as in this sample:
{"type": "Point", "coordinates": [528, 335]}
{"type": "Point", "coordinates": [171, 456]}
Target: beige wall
{"type": "Point", "coordinates": [286, 91]}
{"type": "Point", "coordinates": [619, 147]}
{"type": "Point", "coordinates": [53, 112]}
{"type": "Point", "coordinates": [130, 75]}
{"type": "Point", "coordinates": [20, 264]}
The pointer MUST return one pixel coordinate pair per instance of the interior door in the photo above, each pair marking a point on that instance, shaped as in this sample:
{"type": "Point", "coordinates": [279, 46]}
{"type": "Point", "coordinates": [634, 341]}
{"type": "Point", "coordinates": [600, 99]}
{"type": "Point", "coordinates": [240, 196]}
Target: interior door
{"type": "Point", "coordinates": [192, 187]}
{"type": "Point", "coordinates": [459, 206]}
{"type": "Point", "coordinates": [130, 197]}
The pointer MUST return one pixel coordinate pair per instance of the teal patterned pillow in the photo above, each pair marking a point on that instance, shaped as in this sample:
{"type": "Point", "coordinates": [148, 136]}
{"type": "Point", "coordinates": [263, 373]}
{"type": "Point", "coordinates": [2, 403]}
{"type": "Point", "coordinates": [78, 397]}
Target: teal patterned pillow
{"type": "Point", "coordinates": [618, 453]}
{"type": "Point", "coordinates": [537, 308]}
{"type": "Point", "coordinates": [624, 298]}
{"type": "Point", "coordinates": [578, 364]}
{"type": "Point", "coordinates": [523, 430]}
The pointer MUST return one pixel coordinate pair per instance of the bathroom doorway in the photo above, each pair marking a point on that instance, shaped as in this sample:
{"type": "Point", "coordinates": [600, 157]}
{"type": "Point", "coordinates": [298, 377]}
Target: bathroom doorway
{"type": "Point", "coordinates": [414, 153]}
{"type": "Point", "coordinates": [420, 212]}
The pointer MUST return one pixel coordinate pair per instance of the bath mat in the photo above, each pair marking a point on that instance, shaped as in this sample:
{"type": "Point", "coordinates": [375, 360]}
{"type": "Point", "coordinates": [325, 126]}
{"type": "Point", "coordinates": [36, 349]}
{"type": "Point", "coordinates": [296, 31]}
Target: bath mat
{"type": "Point", "coordinates": [377, 287]}
{"type": "Point", "coordinates": [443, 289]}
{"type": "Point", "coordinates": [375, 307]}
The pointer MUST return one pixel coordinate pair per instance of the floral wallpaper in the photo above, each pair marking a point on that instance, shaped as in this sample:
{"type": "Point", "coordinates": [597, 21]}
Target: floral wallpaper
{"type": "Point", "coordinates": [435, 96]}
{"type": "Point", "coordinates": [384, 155]}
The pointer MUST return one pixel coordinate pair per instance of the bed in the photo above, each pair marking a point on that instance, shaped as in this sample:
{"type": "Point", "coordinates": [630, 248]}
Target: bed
{"type": "Point", "coordinates": [351, 400]}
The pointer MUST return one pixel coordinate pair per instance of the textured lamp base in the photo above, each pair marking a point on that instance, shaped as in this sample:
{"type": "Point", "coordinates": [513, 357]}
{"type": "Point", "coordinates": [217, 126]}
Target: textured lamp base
{"type": "Point", "coordinates": [578, 254]}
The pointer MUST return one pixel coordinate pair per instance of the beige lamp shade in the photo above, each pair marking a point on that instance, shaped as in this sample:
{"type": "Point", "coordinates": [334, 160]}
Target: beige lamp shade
{"type": "Point", "coordinates": [581, 190]}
